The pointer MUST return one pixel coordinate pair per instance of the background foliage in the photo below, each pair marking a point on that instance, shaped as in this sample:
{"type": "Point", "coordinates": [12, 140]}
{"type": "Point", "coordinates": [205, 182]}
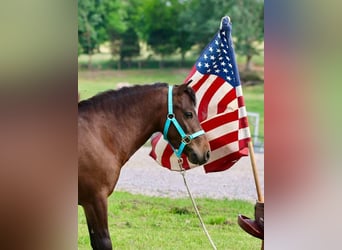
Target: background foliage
{"type": "Point", "coordinates": [166, 27]}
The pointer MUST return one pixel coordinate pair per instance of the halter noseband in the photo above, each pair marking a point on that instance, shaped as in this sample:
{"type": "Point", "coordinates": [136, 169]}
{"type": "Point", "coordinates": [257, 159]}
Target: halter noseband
{"type": "Point", "coordinates": [186, 139]}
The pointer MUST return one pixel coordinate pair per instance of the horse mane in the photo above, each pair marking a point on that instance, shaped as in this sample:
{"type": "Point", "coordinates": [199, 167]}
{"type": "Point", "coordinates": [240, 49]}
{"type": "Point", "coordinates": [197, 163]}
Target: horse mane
{"type": "Point", "coordinates": [100, 100]}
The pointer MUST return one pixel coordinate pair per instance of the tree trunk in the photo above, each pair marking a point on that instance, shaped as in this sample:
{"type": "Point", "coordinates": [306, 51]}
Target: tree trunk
{"type": "Point", "coordinates": [129, 62]}
{"type": "Point", "coordinates": [249, 65]}
{"type": "Point", "coordinates": [89, 61]}
{"type": "Point", "coordinates": [161, 62]}
{"type": "Point", "coordinates": [121, 62]}
{"type": "Point", "coordinates": [182, 58]}
{"type": "Point", "coordinates": [88, 35]}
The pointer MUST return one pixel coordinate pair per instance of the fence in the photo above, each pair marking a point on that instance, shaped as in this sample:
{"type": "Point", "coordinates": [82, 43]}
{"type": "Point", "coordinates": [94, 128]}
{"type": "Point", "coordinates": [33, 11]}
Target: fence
{"type": "Point", "coordinates": [253, 121]}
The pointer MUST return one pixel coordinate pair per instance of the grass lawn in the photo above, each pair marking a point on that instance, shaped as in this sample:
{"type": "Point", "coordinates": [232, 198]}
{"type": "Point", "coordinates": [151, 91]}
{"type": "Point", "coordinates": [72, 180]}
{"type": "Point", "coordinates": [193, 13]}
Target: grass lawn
{"type": "Point", "coordinates": [143, 222]}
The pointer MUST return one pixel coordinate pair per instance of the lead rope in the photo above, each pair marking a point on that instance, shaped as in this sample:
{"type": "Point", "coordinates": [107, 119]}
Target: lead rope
{"type": "Point", "coordinates": [180, 163]}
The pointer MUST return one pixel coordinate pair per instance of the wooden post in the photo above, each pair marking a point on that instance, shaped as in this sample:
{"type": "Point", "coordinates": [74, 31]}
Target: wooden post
{"type": "Point", "coordinates": [255, 172]}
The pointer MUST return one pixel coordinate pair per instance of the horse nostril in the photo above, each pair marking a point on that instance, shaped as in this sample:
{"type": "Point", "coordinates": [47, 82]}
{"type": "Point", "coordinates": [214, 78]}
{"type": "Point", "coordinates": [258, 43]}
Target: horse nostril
{"type": "Point", "coordinates": [194, 157]}
{"type": "Point", "coordinates": [207, 156]}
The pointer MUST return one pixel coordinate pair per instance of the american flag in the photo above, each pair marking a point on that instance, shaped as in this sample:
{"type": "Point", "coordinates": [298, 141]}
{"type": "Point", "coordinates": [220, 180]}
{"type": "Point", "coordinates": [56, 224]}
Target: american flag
{"type": "Point", "coordinates": [221, 109]}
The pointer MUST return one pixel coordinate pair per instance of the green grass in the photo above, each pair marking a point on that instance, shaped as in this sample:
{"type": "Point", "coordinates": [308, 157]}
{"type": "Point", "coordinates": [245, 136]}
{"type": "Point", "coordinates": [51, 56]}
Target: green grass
{"type": "Point", "coordinates": [143, 222]}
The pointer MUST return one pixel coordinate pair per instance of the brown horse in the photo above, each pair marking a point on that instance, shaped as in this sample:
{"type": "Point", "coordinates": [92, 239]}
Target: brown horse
{"type": "Point", "coordinates": [115, 124]}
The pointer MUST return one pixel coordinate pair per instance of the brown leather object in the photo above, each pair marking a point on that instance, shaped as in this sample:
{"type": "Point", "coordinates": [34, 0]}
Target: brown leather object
{"type": "Point", "coordinates": [250, 226]}
{"type": "Point", "coordinates": [254, 227]}
{"type": "Point", "coordinates": [259, 214]}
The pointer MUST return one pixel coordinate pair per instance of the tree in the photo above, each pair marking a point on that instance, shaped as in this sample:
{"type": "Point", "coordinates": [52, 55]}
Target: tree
{"type": "Point", "coordinates": [183, 33]}
{"type": "Point", "coordinates": [203, 19]}
{"type": "Point", "coordinates": [89, 26]}
{"type": "Point", "coordinates": [247, 18]}
{"type": "Point", "coordinates": [129, 46]}
{"type": "Point", "coordinates": [95, 19]}
{"type": "Point", "coordinates": [156, 25]}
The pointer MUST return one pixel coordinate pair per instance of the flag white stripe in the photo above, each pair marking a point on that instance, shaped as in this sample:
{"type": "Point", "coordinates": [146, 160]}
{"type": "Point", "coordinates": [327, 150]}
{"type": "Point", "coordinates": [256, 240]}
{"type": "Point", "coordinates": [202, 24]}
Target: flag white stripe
{"type": "Point", "coordinates": [238, 91]}
{"type": "Point", "coordinates": [244, 133]}
{"type": "Point", "coordinates": [222, 130]}
{"type": "Point", "coordinates": [160, 147]}
{"type": "Point", "coordinates": [174, 162]}
{"type": "Point", "coordinates": [233, 105]}
{"type": "Point", "coordinates": [217, 97]}
{"type": "Point", "coordinates": [242, 112]}
{"type": "Point", "coordinates": [224, 150]}
{"type": "Point", "coordinates": [202, 90]}
{"type": "Point", "coordinates": [195, 78]}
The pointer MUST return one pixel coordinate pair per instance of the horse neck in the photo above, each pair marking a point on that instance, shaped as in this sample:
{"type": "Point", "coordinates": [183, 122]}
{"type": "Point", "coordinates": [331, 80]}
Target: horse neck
{"type": "Point", "coordinates": [149, 116]}
{"type": "Point", "coordinates": [143, 116]}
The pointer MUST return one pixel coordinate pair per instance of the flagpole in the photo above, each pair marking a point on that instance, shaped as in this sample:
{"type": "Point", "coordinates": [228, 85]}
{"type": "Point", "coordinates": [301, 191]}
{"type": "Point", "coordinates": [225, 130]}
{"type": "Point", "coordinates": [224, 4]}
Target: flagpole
{"type": "Point", "coordinates": [255, 172]}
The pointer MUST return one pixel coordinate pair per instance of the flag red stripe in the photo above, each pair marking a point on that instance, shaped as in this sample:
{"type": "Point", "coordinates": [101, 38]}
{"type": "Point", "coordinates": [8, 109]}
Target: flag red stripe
{"type": "Point", "coordinates": [210, 125]}
{"type": "Point", "coordinates": [224, 140]}
{"type": "Point", "coordinates": [243, 145]}
{"type": "Point", "coordinates": [241, 101]}
{"type": "Point", "coordinates": [203, 106]}
{"type": "Point", "coordinates": [243, 122]}
{"type": "Point", "coordinates": [223, 163]}
{"type": "Point", "coordinates": [228, 98]}
{"type": "Point", "coordinates": [165, 159]}
{"type": "Point", "coordinates": [153, 152]}
{"type": "Point", "coordinates": [200, 82]}
{"type": "Point", "coordinates": [220, 120]}
{"type": "Point", "coordinates": [154, 142]}
{"type": "Point", "coordinates": [185, 162]}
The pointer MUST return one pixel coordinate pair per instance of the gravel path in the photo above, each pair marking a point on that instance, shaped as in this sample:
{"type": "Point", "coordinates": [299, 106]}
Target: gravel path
{"type": "Point", "coordinates": [142, 175]}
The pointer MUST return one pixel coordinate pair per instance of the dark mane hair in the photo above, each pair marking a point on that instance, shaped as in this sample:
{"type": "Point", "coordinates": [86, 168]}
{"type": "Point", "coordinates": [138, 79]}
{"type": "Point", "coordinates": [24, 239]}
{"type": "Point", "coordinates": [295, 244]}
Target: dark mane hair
{"type": "Point", "coordinates": [109, 95]}
{"type": "Point", "coordinates": [107, 100]}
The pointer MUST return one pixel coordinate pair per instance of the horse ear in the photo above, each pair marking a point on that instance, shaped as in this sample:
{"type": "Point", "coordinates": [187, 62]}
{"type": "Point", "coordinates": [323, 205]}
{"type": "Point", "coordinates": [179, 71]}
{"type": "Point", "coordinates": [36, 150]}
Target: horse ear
{"type": "Point", "coordinates": [187, 84]}
{"type": "Point", "coordinates": [183, 87]}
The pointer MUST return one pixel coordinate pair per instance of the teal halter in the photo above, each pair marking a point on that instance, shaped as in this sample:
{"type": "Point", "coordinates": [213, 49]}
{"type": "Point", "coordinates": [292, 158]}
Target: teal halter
{"type": "Point", "coordinates": [186, 139]}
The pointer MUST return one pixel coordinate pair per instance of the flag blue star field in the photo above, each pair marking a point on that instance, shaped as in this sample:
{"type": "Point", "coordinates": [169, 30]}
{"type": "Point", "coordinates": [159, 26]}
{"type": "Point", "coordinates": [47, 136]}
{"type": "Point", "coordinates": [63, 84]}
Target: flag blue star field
{"type": "Point", "coordinates": [220, 107]}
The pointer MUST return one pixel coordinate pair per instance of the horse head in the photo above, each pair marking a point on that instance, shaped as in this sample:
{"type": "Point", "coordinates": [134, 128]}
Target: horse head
{"type": "Point", "coordinates": [186, 134]}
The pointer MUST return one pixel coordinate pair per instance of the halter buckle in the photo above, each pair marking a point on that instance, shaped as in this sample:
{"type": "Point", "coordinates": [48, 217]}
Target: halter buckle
{"type": "Point", "coordinates": [186, 139]}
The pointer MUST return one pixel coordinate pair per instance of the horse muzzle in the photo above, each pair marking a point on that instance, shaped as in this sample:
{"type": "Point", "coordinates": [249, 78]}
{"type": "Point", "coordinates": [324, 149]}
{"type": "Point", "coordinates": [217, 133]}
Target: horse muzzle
{"type": "Point", "coordinates": [199, 159]}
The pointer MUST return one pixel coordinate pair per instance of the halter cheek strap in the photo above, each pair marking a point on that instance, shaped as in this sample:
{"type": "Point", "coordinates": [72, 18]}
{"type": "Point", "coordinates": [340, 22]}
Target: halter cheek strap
{"type": "Point", "coordinates": [186, 139]}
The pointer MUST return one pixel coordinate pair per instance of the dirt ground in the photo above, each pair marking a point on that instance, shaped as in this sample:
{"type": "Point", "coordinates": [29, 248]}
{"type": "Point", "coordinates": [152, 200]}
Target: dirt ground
{"type": "Point", "coordinates": [142, 175]}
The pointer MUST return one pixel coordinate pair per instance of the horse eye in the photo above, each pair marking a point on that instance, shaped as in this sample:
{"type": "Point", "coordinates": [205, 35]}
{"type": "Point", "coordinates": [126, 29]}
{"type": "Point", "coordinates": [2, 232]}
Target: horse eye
{"type": "Point", "coordinates": [188, 115]}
